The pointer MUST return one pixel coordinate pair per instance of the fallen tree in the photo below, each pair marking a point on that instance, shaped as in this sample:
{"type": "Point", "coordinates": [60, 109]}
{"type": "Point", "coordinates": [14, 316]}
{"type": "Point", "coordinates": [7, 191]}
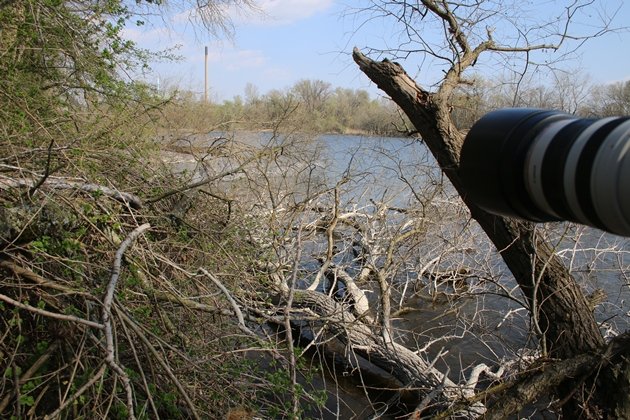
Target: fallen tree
{"type": "Point", "coordinates": [357, 345]}
{"type": "Point", "coordinates": [347, 335]}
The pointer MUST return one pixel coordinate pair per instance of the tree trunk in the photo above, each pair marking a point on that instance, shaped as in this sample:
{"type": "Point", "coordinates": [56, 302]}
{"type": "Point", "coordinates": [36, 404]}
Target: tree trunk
{"type": "Point", "coordinates": [560, 312]}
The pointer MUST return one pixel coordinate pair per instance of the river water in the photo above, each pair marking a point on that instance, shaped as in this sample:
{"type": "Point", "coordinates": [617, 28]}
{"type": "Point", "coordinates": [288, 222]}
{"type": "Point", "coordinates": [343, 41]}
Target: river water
{"type": "Point", "coordinates": [484, 322]}
{"type": "Point", "coordinates": [598, 260]}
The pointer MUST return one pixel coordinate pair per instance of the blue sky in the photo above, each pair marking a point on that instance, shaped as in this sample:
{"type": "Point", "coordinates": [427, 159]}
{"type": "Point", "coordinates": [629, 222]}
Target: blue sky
{"type": "Point", "coordinates": [289, 40]}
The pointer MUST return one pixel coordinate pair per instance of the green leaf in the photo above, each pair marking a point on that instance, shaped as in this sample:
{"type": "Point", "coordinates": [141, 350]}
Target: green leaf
{"type": "Point", "coordinates": [27, 400]}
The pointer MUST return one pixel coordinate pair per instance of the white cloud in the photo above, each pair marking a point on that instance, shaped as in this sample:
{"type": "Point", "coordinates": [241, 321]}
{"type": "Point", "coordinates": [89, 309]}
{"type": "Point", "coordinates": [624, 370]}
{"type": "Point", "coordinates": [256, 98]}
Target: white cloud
{"type": "Point", "coordinates": [280, 12]}
{"type": "Point", "coordinates": [264, 12]}
{"type": "Point", "coordinates": [231, 59]}
{"type": "Point", "coordinates": [244, 59]}
{"type": "Point", "coordinates": [288, 11]}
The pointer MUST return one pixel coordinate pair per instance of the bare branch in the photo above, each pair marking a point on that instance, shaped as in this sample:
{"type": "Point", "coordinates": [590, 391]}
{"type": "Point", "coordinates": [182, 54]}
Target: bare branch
{"type": "Point", "coordinates": [235, 307]}
{"type": "Point", "coordinates": [162, 363]}
{"type": "Point", "coordinates": [210, 179]}
{"type": "Point", "coordinates": [49, 314]}
{"type": "Point", "coordinates": [107, 313]}
{"type": "Point", "coordinates": [78, 393]}
{"type": "Point", "coordinates": [61, 184]}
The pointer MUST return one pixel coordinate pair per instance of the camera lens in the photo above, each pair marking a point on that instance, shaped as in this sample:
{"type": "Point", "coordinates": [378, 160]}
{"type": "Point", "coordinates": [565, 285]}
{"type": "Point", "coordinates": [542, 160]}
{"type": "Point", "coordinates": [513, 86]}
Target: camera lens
{"type": "Point", "coordinates": [545, 165]}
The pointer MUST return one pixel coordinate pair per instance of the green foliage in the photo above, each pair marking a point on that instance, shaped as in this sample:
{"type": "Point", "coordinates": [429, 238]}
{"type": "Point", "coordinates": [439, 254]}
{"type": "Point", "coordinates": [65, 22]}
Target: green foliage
{"type": "Point", "coordinates": [71, 244]}
{"type": "Point", "coordinates": [62, 97]}
{"type": "Point", "coordinates": [167, 403]}
{"type": "Point", "coordinates": [68, 113]}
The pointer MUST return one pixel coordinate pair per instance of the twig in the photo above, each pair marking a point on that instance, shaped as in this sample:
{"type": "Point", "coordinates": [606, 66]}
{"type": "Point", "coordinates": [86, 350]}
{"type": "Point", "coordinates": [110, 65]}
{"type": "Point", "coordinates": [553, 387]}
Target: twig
{"type": "Point", "coordinates": [287, 325]}
{"type": "Point", "coordinates": [162, 363]}
{"type": "Point", "coordinates": [107, 314]}
{"type": "Point", "coordinates": [16, 384]}
{"type": "Point", "coordinates": [77, 394]}
{"type": "Point", "coordinates": [47, 171]}
{"type": "Point", "coordinates": [141, 371]}
{"type": "Point", "coordinates": [330, 242]}
{"type": "Point", "coordinates": [237, 310]}
{"type": "Point", "coordinates": [205, 181]}
{"type": "Point", "coordinates": [431, 395]}
{"type": "Point", "coordinates": [30, 372]}
{"type": "Point", "coordinates": [28, 274]}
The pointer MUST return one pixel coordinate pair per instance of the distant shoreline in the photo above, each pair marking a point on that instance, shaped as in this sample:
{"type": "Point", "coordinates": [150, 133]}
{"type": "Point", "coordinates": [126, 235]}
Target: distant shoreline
{"type": "Point", "coordinates": [349, 132]}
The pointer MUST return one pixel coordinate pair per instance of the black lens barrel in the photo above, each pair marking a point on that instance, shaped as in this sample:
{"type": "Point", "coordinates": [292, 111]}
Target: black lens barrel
{"type": "Point", "coordinates": [543, 165]}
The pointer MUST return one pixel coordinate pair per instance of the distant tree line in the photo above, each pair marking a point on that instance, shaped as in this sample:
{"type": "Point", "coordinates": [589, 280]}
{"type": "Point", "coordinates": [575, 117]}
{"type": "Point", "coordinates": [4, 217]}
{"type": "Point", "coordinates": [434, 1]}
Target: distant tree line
{"type": "Point", "coordinates": [312, 105]}
{"type": "Point", "coordinates": [566, 91]}
{"type": "Point", "coordinates": [317, 106]}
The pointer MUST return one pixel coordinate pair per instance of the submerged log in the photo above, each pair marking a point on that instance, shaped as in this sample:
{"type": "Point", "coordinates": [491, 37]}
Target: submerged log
{"type": "Point", "coordinates": [340, 335]}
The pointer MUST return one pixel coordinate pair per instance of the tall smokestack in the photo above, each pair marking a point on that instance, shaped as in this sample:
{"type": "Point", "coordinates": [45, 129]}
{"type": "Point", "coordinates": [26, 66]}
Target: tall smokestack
{"type": "Point", "coordinates": [205, 83]}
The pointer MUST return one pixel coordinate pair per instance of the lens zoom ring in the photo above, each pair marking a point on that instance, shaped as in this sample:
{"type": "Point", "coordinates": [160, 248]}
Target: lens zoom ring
{"type": "Point", "coordinates": [553, 167]}
{"type": "Point", "coordinates": [585, 167]}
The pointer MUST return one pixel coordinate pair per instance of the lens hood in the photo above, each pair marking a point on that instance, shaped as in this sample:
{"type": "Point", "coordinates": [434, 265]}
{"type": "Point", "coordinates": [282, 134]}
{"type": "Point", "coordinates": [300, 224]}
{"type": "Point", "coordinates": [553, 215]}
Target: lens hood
{"type": "Point", "coordinates": [493, 157]}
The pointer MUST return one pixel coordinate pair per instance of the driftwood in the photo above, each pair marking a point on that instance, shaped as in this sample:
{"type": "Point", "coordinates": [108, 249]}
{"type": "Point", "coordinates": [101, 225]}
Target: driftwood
{"type": "Point", "coordinates": [420, 388]}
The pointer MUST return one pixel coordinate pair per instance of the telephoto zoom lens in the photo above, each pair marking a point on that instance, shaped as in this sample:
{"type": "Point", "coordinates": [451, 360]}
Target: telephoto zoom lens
{"type": "Point", "coordinates": [543, 165]}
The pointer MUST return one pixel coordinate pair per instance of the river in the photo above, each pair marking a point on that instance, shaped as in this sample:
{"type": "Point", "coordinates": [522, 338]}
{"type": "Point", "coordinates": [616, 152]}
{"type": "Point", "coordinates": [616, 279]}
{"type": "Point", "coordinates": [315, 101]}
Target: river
{"type": "Point", "coordinates": [599, 260]}
{"type": "Point", "coordinates": [481, 327]}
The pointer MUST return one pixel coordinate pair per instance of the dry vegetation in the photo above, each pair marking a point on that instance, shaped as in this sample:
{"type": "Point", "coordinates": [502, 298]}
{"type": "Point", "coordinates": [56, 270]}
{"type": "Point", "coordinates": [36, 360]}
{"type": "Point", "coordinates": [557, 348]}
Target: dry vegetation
{"type": "Point", "coordinates": [158, 262]}
{"type": "Point", "coordinates": [174, 350]}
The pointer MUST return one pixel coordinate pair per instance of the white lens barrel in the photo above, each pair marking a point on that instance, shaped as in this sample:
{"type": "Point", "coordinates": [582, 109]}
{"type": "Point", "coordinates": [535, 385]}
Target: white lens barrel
{"type": "Point", "coordinates": [534, 163]}
{"type": "Point", "coordinates": [610, 185]}
{"type": "Point", "coordinates": [571, 167]}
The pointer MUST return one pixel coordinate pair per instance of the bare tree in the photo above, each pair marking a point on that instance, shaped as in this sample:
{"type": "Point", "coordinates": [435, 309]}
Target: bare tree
{"type": "Point", "coordinates": [312, 93]}
{"type": "Point", "coordinates": [611, 100]}
{"type": "Point", "coordinates": [469, 32]}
